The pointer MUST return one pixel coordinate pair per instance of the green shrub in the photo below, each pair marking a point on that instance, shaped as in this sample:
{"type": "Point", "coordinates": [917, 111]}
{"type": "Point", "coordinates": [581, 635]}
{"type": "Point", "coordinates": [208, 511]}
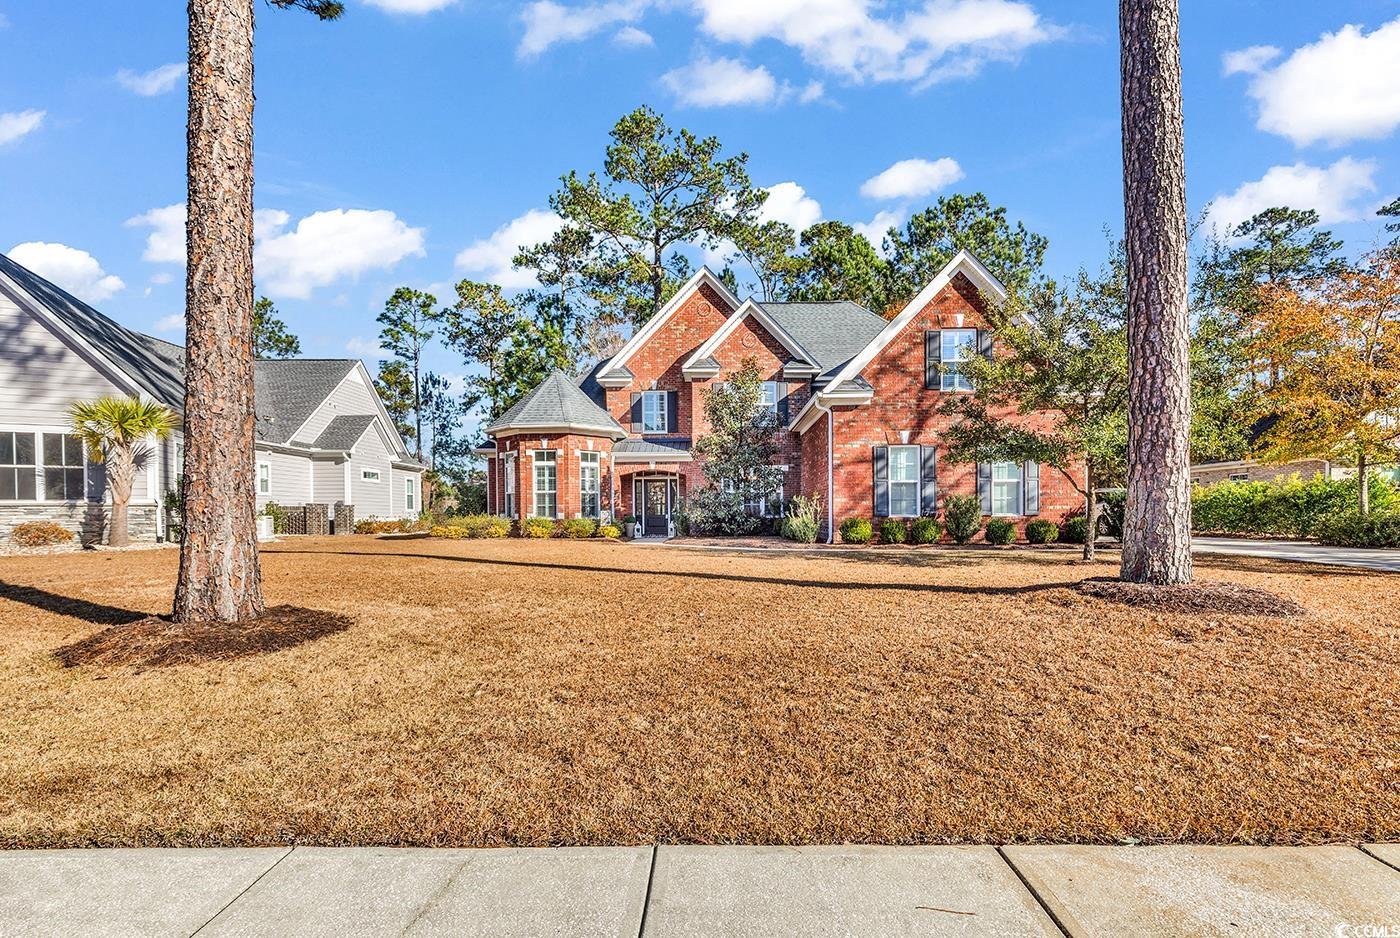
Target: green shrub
{"type": "Point", "coordinates": [800, 523]}
{"type": "Point", "coordinates": [276, 512]}
{"type": "Point", "coordinates": [1353, 529]}
{"type": "Point", "coordinates": [609, 531]}
{"type": "Point", "coordinates": [1291, 507]}
{"type": "Point", "coordinates": [716, 513]}
{"type": "Point", "coordinates": [999, 531]}
{"type": "Point", "coordinates": [925, 531]}
{"type": "Point", "coordinates": [536, 527]}
{"type": "Point", "coordinates": [894, 531]}
{"type": "Point", "coordinates": [577, 528]}
{"type": "Point", "coordinates": [856, 531]}
{"type": "Point", "coordinates": [40, 534]}
{"type": "Point", "coordinates": [962, 516]}
{"type": "Point", "coordinates": [1041, 531]}
{"type": "Point", "coordinates": [1074, 530]}
{"type": "Point", "coordinates": [449, 531]}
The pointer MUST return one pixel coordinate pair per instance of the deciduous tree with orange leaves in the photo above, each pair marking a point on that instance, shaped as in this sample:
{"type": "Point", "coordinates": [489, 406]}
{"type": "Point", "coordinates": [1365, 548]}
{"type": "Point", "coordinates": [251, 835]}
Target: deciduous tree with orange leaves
{"type": "Point", "coordinates": [1338, 397]}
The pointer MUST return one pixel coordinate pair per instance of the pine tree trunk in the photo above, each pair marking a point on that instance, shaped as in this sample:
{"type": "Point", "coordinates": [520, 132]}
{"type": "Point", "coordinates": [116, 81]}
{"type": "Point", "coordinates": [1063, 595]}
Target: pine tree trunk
{"type": "Point", "coordinates": [219, 576]}
{"type": "Point", "coordinates": [1157, 525]}
{"type": "Point", "coordinates": [120, 473]}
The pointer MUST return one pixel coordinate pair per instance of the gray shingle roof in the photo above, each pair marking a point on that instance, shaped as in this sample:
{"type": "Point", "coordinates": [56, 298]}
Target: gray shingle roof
{"type": "Point", "coordinates": [557, 402]}
{"type": "Point", "coordinates": [636, 447]}
{"type": "Point", "coordinates": [831, 332]}
{"type": "Point", "coordinates": [287, 390]}
{"type": "Point", "coordinates": [343, 432]}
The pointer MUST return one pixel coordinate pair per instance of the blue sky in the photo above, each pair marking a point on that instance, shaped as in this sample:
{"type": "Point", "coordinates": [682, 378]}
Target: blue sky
{"type": "Point", "coordinates": [415, 140]}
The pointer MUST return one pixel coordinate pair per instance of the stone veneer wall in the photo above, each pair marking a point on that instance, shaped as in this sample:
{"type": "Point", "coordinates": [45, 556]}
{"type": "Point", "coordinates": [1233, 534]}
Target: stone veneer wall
{"type": "Point", "coordinates": [88, 520]}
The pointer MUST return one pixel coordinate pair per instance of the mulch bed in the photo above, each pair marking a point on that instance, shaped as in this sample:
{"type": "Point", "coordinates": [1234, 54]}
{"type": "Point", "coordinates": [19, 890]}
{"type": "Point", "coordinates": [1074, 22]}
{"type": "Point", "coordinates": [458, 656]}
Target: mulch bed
{"type": "Point", "coordinates": [1203, 597]}
{"type": "Point", "coordinates": [157, 642]}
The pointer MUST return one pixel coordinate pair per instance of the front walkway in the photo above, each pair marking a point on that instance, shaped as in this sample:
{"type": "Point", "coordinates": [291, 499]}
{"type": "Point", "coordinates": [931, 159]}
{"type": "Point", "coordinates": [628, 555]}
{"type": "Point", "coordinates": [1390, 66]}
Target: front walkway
{"type": "Point", "coordinates": [628, 891]}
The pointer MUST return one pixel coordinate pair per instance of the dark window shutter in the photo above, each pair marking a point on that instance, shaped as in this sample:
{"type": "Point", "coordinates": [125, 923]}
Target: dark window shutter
{"type": "Point", "coordinates": [933, 358]}
{"type": "Point", "coordinates": [636, 413]}
{"type": "Point", "coordinates": [783, 403]}
{"type": "Point", "coordinates": [984, 343]}
{"type": "Point", "coordinates": [928, 477]}
{"type": "Point", "coordinates": [672, 411]}
{"type": "Point", "coordinates": [1031, 479]}
{"type": "Point", "coordinates": [880, 458]}
{"type": "Point", "coordinates": [984, 486]}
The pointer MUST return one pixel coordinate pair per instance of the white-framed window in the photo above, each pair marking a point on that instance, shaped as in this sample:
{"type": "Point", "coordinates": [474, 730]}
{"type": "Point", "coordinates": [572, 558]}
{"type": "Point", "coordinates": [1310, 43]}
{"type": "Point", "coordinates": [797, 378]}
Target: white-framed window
{"type": "Point", "coordinates": [1007, 488]}
{"type": "Point", "coordinates": [769, 401]}
{"type": "Point", "coordinates": [904, 481]}
{"type": "Point", "coordinates": [546, 484]}
{"type": "Point", "coordinates": [590, 477]}
{"type": "Point", "coordinates": [958, 345]}
{"type": "Point", "coordinates": [654, 412]}
{"type": "Point", "coordinates": [1239, 477]}
{"type": "Point", "coordinates": [179, 459]}
{"type": "Point", "coordinates": [17, 467]}
{"type": "Point", "coordinates": [264, 478]}
{"type": "Point", "coordinates": [410, 493]}
{"type": "Point", "coordinates": [509, 487]}
{"type": "Point", "coordinates": [369, 475]}
{"type": "Point", "coordinates": [65, 462]}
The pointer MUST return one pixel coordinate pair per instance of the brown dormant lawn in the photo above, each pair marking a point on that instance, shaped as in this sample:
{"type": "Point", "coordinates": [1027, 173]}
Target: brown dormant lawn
{"type": "Point", "coordinates": [516, 692]}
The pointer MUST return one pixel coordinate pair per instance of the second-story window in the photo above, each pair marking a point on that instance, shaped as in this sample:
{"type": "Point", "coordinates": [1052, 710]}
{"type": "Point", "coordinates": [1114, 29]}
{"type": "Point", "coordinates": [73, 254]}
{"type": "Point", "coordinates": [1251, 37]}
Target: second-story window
{"type": "Point", "coordinates": [769, 401]}
{"type": "Point", "coordinates": [958, 346]}
{"type": "Point", "coordinates": [654, 412]}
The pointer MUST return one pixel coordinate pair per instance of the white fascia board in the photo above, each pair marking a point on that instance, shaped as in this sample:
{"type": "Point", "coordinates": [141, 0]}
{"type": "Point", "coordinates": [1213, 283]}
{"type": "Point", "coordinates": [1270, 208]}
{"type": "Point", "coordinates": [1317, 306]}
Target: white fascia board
{"type": "Point", "coordinates": [613, 433]}
{"type": "Point", "coordinates": [749, 308]}
{"type": "Point", "coordinates": [962, 263]}
{"type": "Point", "coordinates": [827, 399]}
{"type": "Point", "coordinates": [702, 277]}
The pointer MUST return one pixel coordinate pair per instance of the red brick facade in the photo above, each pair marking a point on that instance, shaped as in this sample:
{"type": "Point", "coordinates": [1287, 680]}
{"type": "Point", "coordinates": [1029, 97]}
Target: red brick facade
{"type": "Point", "coordinates": [902, 411]}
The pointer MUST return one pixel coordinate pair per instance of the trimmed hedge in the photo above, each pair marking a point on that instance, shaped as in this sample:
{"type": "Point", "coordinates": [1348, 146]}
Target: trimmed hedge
{"type": "Point", "coordinates": [1041, 531]}
{"type": "Point", "coordinates": [925, 531]}
{"type": "Point", "coordinates": [999, 531]}
{"type": "Point", "coordinates": [962, 517]}
{"type": "Point", "coordinates": [1353, 529]}
{"type": "Point", "coordinates": [1291, 507]}
{"type": "Point", "coordinates": [537, 527]}
{"type": "Point", "coordinates": [856, 531]}
{"type": "Point", "coordinates": [1075, 530]}
{"type": "Point", "coordinates": [610, 532]}
{"type": "Point", "coordinates": [472, 526]}
{"type": "Point", "coordinates": [578, 528]}
{"type": "Point", "coordinates": [40, 534]}
{"type": "Point", "coordinates": [893, 531]}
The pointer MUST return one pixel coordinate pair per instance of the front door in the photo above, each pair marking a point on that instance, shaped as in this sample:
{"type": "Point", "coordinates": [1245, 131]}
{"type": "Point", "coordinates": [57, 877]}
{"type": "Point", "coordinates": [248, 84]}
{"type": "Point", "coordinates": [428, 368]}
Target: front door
{"type": "Point", "coordinates": [656, 513]}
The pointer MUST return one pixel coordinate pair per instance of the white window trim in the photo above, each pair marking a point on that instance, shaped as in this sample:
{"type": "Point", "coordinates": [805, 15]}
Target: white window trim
{"type": "Point", "coordinates": [378, 476]}
{"type": "Point", "coordinates": [969, 350]}
{"type": "Point", "coordinates": [261, 466]}
{"type": "Point", "coordinates": [538, 458]}
{"type": "Point", "coordinates": [410, 494]}
{"type": "Point", "coordinates": [777, 398]}
{"type": "Point", "coordinates": [37, 432]}
{"type": "Point", "coordinates": [664, 410]}
{"type": "Point", "coordinates": [508, 485]}
{"type": "Point", "coordinates": [1020, 506]}
{"type": "Point", "coordinates": [590, 460]}
{"type": "Point", "coordinates": [917, 481]}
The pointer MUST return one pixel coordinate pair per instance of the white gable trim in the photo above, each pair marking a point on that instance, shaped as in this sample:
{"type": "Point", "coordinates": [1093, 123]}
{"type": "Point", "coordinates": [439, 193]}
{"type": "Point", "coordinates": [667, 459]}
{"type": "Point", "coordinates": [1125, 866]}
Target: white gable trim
{"type": "Point", "coordinates": [962, 263]}
{"type": "Point", "coordinates": [749, 308]}
{"type": "Point", "coordinates": [394, 441]}
{"type": "Point", "coordinates": [703, 277]}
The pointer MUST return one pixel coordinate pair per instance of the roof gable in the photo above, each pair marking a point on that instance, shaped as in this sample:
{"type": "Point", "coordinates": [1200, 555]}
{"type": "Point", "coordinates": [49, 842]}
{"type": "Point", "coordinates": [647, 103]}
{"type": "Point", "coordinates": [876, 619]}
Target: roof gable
{"type": "Point", "coordinates": [703, 360]}
{"type": "Point", "coordinates": [287, 391]}
{"type": "Point", "coordinates": [616, 366]}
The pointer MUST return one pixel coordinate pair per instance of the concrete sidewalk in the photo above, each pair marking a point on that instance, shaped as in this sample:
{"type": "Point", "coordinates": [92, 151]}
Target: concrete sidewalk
{"type": "Point", "coordinates": [629, 891]}
{"type": "Point", "coordinates": [1382, 559]}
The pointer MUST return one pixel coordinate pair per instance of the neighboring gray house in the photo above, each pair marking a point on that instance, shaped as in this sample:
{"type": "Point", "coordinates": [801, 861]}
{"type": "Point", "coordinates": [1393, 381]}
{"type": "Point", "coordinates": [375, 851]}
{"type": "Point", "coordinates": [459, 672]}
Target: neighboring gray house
{"type": "Point", "coordinates": [323, 435]}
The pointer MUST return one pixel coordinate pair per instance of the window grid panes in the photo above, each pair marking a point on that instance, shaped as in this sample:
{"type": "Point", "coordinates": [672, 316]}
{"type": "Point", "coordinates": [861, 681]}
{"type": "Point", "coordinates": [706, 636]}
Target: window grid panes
{"type": "Point", "coordinates": [770, 398]}
{"type": "Point", "coordinates": [546, 484]}
{"type": "Point", "coordinates": [64, 460]}
{"type": "Point", "coordinates": [589, 478]}
{"type": "Point", "coordinates": [904, 481]}
{"type": "Point", "coordinates": [16, 466]}
{"type": "Point", "coordinates": [654, 412]}
{"type": "Point", "coordinates": [1006, 488]}
{"type": "Point", "coordinates": [958, 345]}
{"type": "Point", "coordinates": [410, 494]}
{"type": "Point", "coordinates": [264, 479]}
{"type": "Point", "coordinates": [369, 475]}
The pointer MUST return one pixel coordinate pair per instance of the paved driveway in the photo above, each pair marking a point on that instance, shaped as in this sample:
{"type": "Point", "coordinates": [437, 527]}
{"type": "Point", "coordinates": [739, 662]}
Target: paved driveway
{"type": "Point", "coordinates": [1303, 551]}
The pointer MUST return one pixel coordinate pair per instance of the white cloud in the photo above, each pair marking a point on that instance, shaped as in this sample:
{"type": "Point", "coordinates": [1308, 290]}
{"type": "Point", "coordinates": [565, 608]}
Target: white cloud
{"type": "Point", "coordinates": [874, 230]}
{"type": "Point", "coordinates": [720, 83]}
{"type": "Point", "coordinates": [634, 37]}
{"type": "Point", "coordinates": [363, 348]}
{"type": "Point", "coordinates": [328, 246]}
{"type": "Point", "coordinates": [548, 23]}
{"type": "Point", "coordinates": [175, 322]}
{"type": "Point", "coordinates": [1249, 61]}
{"type": "Point", "coordinates": [789, 203]}
{"type": "Point", "coordinates": [74, 270]}
{"type": "Point", "coordinates": [166, 242]}
{"type": "Point", "coordinates": [17, 124]}
{"type": "Point", "coordinates": [1345, 86]}
{"type": "Point", "coordinates": [268, 221]}
{"type": "Point", "coordinates": [161, 279]}
{"type": "Point", "coordinates": [811, 92]}
{"type": "Point", "coordinates": [490, 258]}
{"type": "Point", "coordinates": [410, 6]}
{"type": "Point", "coordinates": [1333, 192]}
{"type": "Point", "coordinates": [911, 179]}
{"type": "Point", "coordinates": [941, 39]}
{"type": "Point", "coordinates": [156, 81]}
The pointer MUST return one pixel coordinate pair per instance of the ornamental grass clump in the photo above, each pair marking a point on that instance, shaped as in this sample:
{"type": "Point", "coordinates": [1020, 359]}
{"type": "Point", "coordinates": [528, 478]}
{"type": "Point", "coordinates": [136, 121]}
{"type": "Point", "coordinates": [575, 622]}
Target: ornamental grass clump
{"type": "Point", "coordinates": [40, 534]}
{"type": "Point", "coordinates": [801, 525]}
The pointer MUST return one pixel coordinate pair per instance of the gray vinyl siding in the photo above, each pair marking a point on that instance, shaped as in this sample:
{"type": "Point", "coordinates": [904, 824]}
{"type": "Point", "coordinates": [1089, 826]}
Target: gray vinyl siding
{"type": "Point", "coordinates": [291, 479]}
{"type": "Point", "coordinates": [400, 497]}
{"type": "Point", "coordinates": [352, 396]}
{"type": "Point", "coordinates": [40, 374]}
{"type": "Point", "coordinates": [372, 499]}
{"type": "Point", "coordinates": [329, 481]}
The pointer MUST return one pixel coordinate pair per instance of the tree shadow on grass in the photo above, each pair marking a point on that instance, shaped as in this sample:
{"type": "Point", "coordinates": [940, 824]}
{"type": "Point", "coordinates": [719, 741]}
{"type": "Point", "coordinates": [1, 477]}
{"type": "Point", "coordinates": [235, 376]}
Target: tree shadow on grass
{"type": "Point", "coordinates": [723, 577]}
{"type": "Point", "coordinates": [84, 609]}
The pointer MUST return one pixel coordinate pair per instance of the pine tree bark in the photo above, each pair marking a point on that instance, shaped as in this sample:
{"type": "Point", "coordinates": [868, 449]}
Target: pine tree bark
{"type": "Point", "coordinates": [220, 580]}
{"type": "Point", "coordinates": [1157, 524]}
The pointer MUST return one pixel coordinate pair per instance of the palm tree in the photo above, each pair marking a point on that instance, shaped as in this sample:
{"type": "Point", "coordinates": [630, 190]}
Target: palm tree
{"type": "Point", "coordinates": [219, 576]}
{"type": "Point", "coordinates": [1157, 522]}
{"type": "Point", "coordinates": [115, 431]}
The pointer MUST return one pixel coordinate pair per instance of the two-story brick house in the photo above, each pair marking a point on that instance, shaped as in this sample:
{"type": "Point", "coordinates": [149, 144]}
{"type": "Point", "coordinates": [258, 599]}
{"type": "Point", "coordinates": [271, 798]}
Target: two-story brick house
{"type": "Point", "coordinates": [857, 398]}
